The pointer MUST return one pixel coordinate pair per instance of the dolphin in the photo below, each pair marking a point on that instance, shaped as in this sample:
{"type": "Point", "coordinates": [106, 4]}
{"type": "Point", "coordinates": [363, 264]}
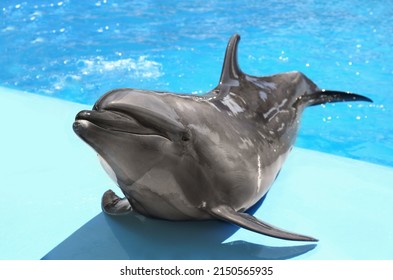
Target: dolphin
{"type": "Point", "coordinates": [189, 157]}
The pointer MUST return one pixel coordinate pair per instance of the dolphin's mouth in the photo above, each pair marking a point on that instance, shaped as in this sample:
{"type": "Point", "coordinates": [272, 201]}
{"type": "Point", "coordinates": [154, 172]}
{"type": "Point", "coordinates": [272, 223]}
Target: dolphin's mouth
{"type": "Point", "coordinates": [117, 122]}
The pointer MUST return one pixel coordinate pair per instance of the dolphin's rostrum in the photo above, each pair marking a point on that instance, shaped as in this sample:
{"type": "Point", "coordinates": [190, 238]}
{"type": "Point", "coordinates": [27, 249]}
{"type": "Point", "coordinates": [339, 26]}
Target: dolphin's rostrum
{"type": "Point", "coordinates": [182, 157]}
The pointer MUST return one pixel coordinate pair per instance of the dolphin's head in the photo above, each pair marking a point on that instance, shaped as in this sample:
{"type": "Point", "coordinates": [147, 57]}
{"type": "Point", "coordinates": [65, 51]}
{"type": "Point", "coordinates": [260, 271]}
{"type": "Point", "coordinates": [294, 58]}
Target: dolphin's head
{"type": "Point", "coordinates": [132, 131]}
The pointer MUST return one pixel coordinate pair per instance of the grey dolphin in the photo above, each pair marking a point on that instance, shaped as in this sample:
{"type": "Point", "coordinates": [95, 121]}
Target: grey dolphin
{"type": "Point", "coordinates": [182, 157]}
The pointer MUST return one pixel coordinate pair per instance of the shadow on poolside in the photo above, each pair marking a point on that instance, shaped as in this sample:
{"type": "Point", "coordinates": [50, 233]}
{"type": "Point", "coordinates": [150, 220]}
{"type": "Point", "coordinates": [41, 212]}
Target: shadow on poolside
{"type": "Point", "coordinates": [137, 237]}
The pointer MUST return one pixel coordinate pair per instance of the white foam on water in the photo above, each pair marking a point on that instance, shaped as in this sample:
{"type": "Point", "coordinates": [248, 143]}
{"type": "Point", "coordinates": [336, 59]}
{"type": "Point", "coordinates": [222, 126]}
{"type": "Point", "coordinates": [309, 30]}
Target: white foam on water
{"type": "Point", "coordinates": [141, 67]}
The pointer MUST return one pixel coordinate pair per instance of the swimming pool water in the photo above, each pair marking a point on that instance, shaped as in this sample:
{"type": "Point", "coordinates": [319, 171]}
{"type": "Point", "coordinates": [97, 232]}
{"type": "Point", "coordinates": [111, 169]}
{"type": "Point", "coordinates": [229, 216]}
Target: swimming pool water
{"type": "Point", "coordinates": [78, 50]}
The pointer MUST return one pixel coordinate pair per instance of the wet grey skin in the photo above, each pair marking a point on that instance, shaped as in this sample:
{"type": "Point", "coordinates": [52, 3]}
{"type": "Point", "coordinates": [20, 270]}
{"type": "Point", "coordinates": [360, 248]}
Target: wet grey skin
{"type": "Point", "coordinates": [184, 157]}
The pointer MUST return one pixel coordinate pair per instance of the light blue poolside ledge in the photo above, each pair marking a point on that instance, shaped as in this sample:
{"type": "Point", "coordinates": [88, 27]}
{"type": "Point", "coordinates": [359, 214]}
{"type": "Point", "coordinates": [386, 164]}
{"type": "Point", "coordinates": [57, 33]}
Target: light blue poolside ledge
{"type": "Point", "coordinates": [51, 185]}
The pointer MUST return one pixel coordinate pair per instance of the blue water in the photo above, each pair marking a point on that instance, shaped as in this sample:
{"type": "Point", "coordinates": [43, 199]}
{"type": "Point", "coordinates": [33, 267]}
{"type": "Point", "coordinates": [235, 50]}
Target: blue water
{"type": "Point", "coordinates": [78, 50]}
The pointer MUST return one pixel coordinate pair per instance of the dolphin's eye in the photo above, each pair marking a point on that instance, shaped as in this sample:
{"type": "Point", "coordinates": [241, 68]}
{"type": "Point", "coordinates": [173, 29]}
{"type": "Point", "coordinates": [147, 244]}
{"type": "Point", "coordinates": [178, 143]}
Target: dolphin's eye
{"type": "Point", "coordinates": [185, 138]}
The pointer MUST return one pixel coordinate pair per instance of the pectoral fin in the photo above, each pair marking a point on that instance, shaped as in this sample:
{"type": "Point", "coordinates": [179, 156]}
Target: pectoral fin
{"type": "Point", "coordinates": [247, 221]}
{"type": "Point", "coordinates": [114, 205]}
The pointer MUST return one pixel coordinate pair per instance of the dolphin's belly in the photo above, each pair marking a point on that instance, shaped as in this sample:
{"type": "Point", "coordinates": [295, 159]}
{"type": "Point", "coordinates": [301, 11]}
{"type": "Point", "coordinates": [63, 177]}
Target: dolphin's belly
{"type": "Point", "coordinates": [158, 194]}
{"type": "Point", "coordinates": [171, 206]}
{"type": "Point", "coordinates": [161, 194]}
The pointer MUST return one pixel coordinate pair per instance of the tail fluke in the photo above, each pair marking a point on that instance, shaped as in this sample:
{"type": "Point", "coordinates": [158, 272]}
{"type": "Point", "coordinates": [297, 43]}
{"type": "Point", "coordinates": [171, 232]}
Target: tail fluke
{"type": "Point", "coordinates": [330, 96]}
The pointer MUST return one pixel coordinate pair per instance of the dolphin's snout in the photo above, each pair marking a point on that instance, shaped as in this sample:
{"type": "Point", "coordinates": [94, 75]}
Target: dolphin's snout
{"type": "Point", "coordinates": [82, 115]}
{"type": "Point", "coordinates": [78, 126]}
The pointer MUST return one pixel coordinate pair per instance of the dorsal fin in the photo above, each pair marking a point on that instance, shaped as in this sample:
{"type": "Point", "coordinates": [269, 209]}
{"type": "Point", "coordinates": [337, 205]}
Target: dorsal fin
{"type": "Point", "coordinates": [230, 69]}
